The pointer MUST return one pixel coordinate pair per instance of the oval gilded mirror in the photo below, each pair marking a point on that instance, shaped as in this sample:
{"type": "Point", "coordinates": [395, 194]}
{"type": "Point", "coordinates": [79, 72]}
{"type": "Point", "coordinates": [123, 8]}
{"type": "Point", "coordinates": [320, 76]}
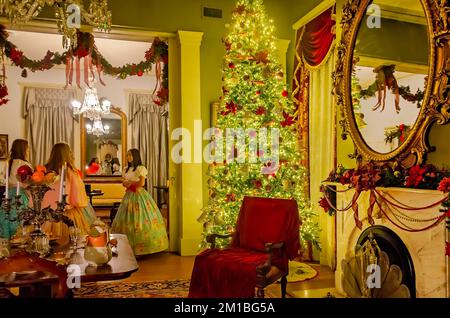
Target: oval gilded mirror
{"type": "Point", "coordinates": [390, 78]}
{"type": "Point", "coordinates": [390, 68]}
{"type": "Point", "coordinates": [103, 154]}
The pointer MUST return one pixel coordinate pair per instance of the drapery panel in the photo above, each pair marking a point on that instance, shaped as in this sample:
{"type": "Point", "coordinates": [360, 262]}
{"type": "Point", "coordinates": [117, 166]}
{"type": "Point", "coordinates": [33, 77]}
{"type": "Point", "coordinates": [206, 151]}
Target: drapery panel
{"type": "Point", "coordinates": [312, 87]}
{"type": "Point", "coordinates": [149, 126]}
{"type": "Point", "coordinates": [48, 120]}
{"type": "Point", "coordinates": [318, 37]}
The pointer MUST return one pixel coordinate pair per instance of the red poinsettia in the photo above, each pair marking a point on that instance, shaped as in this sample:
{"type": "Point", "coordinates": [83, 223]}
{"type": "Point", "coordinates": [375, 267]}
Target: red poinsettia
{"type": "Point", "coordinates": [444, 185]}
{"type": "Point", "coordinates": [260, 111]}
{"type": "Point", "coordinates": [16, 56]}
{"type": "Point", "coordinates": [415, 176]}
{"type": "Point", "coordinates": [325, 205]}
{"type": "Point", "coordinates": [288, 120]}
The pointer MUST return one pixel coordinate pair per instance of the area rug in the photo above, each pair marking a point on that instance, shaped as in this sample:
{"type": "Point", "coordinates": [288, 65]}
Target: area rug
{"type": "Point", "coordinates": [178, 288]}
{"type": "Point", "coordinates": [299, 272]}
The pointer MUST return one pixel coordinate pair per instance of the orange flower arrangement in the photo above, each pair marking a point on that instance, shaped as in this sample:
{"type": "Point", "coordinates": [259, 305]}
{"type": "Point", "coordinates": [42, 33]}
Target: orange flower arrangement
{"type": "Point", "coordinates": [39, 176]}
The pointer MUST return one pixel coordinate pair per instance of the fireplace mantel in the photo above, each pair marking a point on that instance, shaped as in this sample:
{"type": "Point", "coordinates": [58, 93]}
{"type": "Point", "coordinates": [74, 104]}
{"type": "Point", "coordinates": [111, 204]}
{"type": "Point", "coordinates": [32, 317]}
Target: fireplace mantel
{"type": "Point", "coordinates": [427, 248]}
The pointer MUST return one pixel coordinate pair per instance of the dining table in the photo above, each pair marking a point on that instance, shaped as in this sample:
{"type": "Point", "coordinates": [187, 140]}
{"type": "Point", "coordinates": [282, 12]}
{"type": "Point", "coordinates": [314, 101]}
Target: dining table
{"type": "Point", "coordinates": [122, 265]}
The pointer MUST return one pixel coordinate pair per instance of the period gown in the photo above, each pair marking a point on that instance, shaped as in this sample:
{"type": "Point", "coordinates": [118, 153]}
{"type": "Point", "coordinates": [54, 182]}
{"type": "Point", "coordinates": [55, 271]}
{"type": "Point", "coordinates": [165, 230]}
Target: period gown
{"type": "Point", "coordinates": [78, 210]}
{"type": "Point", "coordinates": [8, 228]}
{"type": "Point", "coordinates": [139, 218]}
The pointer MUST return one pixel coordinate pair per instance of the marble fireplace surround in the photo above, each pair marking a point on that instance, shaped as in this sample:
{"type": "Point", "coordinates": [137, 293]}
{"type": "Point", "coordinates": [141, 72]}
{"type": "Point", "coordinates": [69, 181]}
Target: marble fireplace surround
{"type": "Point", "coordinates": [427, 248]}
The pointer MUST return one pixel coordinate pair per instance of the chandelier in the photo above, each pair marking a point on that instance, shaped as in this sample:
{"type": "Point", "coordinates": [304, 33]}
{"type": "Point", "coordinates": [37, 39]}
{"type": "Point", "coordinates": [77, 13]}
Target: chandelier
{"type": "Point", "coordinates": [69, 15]}
{"type": "Point", "coordinates": [93, 109]}
{"type": "Point", "coordinates": [97, 128]}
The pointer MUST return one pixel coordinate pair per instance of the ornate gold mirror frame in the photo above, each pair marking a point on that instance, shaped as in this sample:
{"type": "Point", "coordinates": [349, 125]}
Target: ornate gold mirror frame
{"type": "Point", "coordinates": [103, 179]}
{"type": "Point", "coordinates": [436, 102]}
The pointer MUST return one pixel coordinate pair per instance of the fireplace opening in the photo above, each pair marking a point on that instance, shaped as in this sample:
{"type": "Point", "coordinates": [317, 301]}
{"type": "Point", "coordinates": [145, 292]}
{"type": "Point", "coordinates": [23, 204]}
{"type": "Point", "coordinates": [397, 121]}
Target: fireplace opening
{"type": "Point", "coordinates": [393, 246]}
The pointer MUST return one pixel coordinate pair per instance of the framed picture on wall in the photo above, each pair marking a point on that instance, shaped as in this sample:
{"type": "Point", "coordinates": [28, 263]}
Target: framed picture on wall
{"type": "Point", "coordinates": [4, 146]}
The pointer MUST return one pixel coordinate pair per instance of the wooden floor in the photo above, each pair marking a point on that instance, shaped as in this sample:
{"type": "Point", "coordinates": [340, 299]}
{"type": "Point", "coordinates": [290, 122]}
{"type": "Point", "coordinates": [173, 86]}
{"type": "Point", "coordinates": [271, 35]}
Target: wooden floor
{"type": "Point", "coordinates": [163, 266]}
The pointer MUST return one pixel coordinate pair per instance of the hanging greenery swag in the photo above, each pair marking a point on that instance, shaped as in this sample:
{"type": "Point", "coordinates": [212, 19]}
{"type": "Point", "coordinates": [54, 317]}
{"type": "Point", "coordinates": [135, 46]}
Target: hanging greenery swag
{"type": "Point", "coordinates": [156, 55]}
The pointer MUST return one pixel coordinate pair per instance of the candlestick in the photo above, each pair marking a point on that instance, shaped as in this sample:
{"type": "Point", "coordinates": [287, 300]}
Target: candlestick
{"type": "Point", "coordinates": [7, 180]}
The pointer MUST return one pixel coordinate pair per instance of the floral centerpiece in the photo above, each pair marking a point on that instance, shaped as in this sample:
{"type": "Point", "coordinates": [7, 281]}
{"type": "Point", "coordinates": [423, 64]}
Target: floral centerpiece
{"type": "Point", "coordinates": [38, 183]}
{"type": "Point", "coordinates": [38, 177]}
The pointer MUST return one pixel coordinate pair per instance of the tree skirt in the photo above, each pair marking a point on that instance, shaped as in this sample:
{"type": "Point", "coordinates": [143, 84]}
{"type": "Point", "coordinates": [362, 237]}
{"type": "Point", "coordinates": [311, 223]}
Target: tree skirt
{"type": "Point", "coordinates": [154, 289]}
{"type": "Point", "coordinates": [299, 272]}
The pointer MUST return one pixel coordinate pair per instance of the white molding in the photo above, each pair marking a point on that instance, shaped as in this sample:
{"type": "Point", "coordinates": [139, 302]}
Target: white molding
{"type": "Point", "coordinates": [190, 37]}
{"type": "Point", "coordinates": [402, 14]}
{"type": "Point", "coordinates": [311, 15]}
{"type": "Point", "coordinates": [369, 61]}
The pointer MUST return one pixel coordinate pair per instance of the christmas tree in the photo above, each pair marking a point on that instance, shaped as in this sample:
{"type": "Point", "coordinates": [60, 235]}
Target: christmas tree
{"type": "Point", "coordinates": [256, 110]}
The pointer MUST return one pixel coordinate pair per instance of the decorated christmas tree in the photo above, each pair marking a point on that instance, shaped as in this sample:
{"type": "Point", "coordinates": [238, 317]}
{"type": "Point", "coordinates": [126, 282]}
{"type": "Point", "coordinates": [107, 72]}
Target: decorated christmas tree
{"type": "Point", "coordinates": [256, 107]}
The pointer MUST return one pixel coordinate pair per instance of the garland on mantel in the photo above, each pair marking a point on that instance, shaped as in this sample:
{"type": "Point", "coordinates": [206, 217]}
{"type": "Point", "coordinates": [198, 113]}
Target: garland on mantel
{"type": "Point", "coordinates": [371, 176]}
{"type": "Point", "coordinates": [86, 48]}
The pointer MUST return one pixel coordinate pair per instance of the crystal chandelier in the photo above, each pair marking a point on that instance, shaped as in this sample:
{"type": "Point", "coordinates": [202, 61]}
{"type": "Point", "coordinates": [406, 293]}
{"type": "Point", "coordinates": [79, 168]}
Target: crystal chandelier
{"type": "Point", "coordinates": [91, 107]}
{"type": "Point", "coordinates": [69, 14]}
{"type": "Point", "coordinates": [97, 128]}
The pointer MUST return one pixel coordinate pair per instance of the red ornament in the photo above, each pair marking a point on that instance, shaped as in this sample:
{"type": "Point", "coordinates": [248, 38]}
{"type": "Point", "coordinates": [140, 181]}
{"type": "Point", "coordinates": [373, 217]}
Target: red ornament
{"type": "Point", "coordinates": [285, 93]}
{"type": "Point", "coordinates": [140, 73]}
{"type": "Point", "coordinates": [231, 65]}
{"type": "Point", "coordinates": [258, 93]}
{"type": "Point", "coordinates": [257, 184]}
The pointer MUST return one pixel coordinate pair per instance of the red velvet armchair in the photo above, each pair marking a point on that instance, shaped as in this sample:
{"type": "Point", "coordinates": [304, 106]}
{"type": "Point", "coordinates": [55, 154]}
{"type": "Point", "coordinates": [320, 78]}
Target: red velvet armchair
{"type": "Point", "coordinates": [266, 238]}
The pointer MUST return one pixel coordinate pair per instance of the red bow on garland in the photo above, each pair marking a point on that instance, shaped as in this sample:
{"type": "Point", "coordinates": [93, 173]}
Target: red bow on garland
{"type": "Point", "coordinates": [84, 49]}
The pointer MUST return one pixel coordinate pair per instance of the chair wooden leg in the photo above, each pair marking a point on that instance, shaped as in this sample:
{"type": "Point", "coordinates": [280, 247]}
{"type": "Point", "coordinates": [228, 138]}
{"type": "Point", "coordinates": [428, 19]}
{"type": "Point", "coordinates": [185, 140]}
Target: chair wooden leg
{"type": "Point", "coordinates": [260, 292]}
{"type": "Point", "coordinates": [283, 286]}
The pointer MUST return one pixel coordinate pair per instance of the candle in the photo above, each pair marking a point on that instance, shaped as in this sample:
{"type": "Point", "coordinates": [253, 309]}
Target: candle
{"type": "Point", "coordinates": [18, 189]}
{"type": "Point", "coordinates": [7, 179]}
{"type": "Point", "coordinates": [61, 185]}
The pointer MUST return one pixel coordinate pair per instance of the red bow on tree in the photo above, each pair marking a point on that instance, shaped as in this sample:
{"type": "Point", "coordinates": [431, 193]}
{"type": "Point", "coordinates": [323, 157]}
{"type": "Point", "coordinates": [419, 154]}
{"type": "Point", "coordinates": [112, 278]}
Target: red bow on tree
{"type": "Point", "coordinates": [288, 120]}
{"type": "Point", "coordinates": [231, 108]}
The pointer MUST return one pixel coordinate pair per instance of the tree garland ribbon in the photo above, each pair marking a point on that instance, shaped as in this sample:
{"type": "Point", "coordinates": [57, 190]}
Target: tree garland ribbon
{"type": "Point", "coordinates": [88, 51]}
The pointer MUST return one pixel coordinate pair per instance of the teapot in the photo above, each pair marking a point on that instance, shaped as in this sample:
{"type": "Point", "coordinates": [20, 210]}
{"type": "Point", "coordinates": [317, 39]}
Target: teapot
{"type": "Point", "coordinates": [98, 244]}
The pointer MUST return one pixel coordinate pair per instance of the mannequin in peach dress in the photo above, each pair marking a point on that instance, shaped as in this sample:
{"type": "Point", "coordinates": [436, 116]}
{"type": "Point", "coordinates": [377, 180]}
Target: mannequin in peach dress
{"type": "Point", "coordinates": [78, 209]}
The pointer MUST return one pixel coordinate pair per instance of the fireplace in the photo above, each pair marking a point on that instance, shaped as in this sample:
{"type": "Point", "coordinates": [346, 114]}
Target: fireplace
{"type": "Point", "coordinates": [420, 255]}
{"type": "Point", "coordinates": [392, 245]}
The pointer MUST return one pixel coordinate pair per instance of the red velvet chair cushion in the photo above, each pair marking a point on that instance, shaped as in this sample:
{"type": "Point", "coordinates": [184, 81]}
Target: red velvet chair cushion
{"type": "Point", "coordinates": [228, 273]}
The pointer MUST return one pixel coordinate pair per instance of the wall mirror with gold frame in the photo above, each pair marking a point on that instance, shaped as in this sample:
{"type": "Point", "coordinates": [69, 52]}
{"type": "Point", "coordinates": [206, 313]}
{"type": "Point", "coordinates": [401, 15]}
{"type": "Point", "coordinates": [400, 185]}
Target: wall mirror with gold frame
{"type": "Point", "coordinates": [103, 156]}
{"type": "Point", "coordinates": [391, 78]}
